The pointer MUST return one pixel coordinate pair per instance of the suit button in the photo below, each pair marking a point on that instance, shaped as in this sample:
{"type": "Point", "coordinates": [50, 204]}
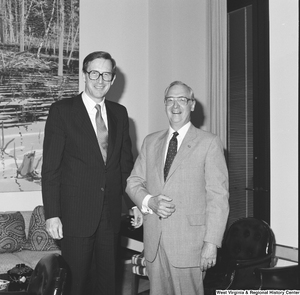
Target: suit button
{"type": "Point", "coordinates": [102, 189]}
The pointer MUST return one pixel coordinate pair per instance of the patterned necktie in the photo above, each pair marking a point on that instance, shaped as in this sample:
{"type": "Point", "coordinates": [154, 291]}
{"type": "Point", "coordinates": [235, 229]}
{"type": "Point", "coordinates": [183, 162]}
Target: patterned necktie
{"type": "Point", "coordinates": [172, 150]}
{"type": "Point", "coordinates": [102, 133]}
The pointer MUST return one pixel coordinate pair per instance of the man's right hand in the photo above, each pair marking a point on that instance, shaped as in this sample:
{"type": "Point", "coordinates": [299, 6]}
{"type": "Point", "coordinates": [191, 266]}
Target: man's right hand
{"type": "Point", "coordinates": [162, 206]}
{"type": "Point", "coordinates": [54, 228]}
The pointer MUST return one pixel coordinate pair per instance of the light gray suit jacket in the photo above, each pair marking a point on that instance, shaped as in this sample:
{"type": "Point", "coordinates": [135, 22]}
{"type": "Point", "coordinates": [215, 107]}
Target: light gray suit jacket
{"type": "Point", "coordinates": [198, 184]}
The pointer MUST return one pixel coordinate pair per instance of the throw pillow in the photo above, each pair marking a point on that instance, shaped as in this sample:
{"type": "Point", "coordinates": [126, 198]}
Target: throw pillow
{"type": "Point", "coordinates": [38, 238]}
{"type": "Point", "coordinates": [12, 232]}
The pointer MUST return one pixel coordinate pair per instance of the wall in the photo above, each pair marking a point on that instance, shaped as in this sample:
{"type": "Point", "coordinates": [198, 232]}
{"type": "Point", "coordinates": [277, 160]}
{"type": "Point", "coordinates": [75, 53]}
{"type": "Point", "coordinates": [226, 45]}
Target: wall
{"type": "Point", "coordinates": [284, 69]}
{"type": "Point", "coordinates": [154, 43]}
{"type": "Point", "coordinates": [177, 51]}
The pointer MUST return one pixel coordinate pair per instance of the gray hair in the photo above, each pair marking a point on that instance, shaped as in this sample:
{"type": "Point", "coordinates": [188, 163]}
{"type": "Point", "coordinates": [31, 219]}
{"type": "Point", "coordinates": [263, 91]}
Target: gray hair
{"type": "Point", "coordinates": [183, 84]}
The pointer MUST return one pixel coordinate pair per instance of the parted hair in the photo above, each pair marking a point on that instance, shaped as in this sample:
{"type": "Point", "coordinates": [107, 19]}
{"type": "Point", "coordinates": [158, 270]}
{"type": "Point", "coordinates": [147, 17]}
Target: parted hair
{"type": "Point", "coordinates": [99, 54]}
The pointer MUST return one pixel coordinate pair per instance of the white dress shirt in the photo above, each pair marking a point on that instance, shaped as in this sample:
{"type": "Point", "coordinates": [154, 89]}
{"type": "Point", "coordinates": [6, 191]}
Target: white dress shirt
{"type": "Point", "coordinates": [90, 107]}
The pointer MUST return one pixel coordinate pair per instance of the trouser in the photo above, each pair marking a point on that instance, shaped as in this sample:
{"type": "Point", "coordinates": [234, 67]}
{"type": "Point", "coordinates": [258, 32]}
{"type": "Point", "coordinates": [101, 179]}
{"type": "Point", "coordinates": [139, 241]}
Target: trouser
{"type": "Point", "coordinates": [167, 279]}
{"type": "Point", "coordinates": [92, 259]}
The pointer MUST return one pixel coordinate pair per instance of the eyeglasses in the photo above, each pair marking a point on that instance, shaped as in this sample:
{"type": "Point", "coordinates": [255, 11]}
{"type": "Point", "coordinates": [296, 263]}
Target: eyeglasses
{"type": "Point", "coordinates": [182, 100]}
{"type": "Point", "coordinates": [94, 75]}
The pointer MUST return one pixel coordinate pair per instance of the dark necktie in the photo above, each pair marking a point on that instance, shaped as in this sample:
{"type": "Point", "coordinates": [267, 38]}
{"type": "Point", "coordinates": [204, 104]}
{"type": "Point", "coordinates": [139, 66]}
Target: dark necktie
{"type": "Point", "coordinates": [102, 133]}
{"type": "Point", "coordinates": [172, 150]}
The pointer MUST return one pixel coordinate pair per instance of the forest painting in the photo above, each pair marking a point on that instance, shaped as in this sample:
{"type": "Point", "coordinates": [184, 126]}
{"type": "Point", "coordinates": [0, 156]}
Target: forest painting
{"type": "Point", "coordinates": [39, 50]}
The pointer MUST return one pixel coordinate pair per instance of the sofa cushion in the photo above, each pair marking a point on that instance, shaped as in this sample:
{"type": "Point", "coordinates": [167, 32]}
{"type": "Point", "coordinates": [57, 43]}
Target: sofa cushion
{"type": "Point", "coordinates": [27, 217]}
{"type": "Point", "coordinates": [38, 238]}
{"type": "Point", "coordinates": [12, 232]}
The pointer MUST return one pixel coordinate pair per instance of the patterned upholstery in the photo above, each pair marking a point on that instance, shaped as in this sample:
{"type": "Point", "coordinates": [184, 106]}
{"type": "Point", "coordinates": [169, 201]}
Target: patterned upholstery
{"type": "Point", "coordinates": [139, 264]}
{"type": "Point", "coordinates": [12, 232]}
{"type": "Point", "coordinates": [29, 257]}
{"type": "Point", "coordinates": [138, 271]}
{"type": "Point", "coordinates": [38, 238]}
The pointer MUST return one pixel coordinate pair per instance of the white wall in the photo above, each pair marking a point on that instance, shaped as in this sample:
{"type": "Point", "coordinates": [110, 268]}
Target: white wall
{"type": "Point", "coordinates": [121, 28]}
{"type": "Point", "coordinates": [177, 51]}
{"type": "Point", "coordinates": [284, 69]}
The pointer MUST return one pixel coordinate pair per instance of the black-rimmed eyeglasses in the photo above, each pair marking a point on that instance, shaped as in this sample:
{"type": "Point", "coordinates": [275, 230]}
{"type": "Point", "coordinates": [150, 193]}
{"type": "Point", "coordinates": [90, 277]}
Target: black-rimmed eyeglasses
{"type": "Point", "coordinates": [94, 75]}
{"type": "Point", "coordinates": [182, 100]}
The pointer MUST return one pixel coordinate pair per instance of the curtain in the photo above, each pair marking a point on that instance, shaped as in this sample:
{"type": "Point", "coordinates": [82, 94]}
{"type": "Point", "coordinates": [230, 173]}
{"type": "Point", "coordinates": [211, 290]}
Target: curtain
{"type": "Point", "coordinates": [217, 35]}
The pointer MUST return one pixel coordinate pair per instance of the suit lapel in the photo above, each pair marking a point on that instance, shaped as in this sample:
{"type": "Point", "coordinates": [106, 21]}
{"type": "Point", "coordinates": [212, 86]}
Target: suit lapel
{"type": "Point", "coordinates": [160, 155]}
{"type": "Point", "coordinates": [112, 131]}
{"type": "Point", "coordinates": [187, 144]}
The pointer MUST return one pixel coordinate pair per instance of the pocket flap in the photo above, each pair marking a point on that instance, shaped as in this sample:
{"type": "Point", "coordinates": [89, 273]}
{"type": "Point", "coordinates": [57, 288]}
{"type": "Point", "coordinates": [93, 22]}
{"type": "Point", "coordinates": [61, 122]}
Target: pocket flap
{"type": "Point", "coordinates": [196, 219]}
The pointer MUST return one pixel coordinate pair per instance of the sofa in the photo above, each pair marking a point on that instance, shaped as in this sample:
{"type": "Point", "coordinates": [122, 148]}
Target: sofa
{"type": "Point", "coordinates": [23, 238]}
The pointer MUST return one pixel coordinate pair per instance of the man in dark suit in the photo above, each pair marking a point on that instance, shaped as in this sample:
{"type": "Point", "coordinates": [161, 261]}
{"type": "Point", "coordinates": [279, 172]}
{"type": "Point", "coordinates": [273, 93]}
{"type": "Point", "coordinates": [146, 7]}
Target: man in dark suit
{"type": "Point", "coordinates": [84, 175]}
{"type": "Point", "coordinates": [180, 182]}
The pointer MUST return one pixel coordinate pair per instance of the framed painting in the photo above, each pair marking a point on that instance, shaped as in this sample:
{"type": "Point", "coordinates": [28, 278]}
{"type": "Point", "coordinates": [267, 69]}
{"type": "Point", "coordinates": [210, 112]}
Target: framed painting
{"type": "Point", "coordinates": [39, 64]}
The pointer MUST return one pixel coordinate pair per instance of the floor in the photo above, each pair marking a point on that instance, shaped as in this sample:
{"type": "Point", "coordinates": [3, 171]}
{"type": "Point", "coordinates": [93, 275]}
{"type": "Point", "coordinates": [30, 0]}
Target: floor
{"type": "Point", "coordinates": [125, 274]}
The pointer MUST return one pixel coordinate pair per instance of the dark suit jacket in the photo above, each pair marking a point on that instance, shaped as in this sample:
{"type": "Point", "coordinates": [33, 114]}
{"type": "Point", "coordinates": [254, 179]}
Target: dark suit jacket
{"type": "Point", "coordinates": [74, 177]}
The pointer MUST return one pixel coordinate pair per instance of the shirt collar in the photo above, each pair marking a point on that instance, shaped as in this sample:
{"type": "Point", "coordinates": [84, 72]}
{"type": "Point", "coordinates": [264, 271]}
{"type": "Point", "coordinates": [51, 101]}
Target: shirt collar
{"type": "Point", "coordinates": [182, 131]}
{"type": "Point", "coordinates": [90, 104]}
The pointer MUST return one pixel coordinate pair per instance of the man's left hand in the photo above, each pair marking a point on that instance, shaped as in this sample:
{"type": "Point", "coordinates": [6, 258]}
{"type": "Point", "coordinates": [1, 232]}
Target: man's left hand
{"type": "Point", "coordinates": [208, 256]}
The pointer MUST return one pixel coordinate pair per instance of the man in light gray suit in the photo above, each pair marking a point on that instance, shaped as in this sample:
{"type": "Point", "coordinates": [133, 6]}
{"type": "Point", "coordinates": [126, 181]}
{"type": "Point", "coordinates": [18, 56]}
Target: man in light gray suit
{"type": "Point", "coordinates": [185, 209]}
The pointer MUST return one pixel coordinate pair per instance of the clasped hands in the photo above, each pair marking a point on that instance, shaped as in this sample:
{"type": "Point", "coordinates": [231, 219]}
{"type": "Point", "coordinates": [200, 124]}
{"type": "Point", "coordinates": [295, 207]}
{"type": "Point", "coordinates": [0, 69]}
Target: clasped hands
{"type": "Point", "coordinates": [161, 205]}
